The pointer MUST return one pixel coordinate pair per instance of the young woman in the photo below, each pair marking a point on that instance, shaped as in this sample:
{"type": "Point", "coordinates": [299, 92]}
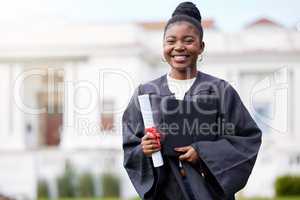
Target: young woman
{"type": "Point", "coordinates": [206, 169]}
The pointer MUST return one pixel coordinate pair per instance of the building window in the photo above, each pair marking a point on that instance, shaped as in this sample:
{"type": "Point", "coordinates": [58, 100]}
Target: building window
{"type": "Point", "coordinates": [50, 97]}
{"type": "Point", "coordinates": [295, 160]}
{"type": "Point", "coordinates": [107, 116]}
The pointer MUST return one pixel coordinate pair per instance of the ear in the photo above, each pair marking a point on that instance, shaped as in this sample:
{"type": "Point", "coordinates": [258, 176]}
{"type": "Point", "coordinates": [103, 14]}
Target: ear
{"type": "Point", "coordinates": [202, 46]}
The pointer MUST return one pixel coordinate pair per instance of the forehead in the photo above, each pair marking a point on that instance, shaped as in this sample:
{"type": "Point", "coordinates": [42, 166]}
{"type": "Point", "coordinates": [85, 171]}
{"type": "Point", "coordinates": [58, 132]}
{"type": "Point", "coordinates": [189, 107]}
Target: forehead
{"type": "Point", "coordinates": [181, 28]}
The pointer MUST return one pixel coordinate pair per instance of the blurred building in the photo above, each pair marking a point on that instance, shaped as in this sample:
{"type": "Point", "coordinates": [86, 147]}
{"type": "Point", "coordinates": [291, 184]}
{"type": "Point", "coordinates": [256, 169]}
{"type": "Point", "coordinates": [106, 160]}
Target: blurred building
{"type": "Point", "coordinates": [64, 90]}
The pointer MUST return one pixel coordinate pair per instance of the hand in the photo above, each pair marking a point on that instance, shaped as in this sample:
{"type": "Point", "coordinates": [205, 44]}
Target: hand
{"type": "Point", "coordinates": [189, 154]}
{"type": "Point", "coordinates": [149, 145]}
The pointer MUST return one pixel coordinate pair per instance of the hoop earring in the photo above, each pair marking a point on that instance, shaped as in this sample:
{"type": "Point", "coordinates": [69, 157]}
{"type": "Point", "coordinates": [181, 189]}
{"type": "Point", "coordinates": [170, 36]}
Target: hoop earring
{"type": "Point", "coordinates": [201, 58]}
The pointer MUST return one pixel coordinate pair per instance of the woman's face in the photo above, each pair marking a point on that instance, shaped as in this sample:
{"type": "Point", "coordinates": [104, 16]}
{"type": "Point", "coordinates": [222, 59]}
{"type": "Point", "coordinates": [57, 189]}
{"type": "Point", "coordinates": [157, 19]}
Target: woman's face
{"type": "Point", "coordinates": [182, 46]}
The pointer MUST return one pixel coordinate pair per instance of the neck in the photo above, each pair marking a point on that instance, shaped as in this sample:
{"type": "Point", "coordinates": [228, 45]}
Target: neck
{"type": "Point", "coordinates": [183, 74]}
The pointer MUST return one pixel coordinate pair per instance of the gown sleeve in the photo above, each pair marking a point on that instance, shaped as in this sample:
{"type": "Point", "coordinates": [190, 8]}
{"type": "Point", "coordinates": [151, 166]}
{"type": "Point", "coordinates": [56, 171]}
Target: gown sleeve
{"type": "Point", "coordinates": [228, 161]}
{"type": "Point", "coordinates": [137, 165]}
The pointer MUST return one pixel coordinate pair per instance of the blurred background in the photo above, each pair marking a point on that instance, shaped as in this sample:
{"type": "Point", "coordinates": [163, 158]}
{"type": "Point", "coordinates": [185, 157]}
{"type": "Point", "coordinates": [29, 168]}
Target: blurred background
{"type": "Point", "coordinates": [68, 69]}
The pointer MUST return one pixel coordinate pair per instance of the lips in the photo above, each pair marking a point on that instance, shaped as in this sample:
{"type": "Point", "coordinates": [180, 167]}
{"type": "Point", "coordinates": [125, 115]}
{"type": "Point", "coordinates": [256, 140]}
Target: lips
{"type": "Point", "coordinates": [180, 58]}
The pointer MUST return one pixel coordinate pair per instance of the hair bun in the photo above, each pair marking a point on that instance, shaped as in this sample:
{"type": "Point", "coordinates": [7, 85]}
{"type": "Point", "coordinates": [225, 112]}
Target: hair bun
{"type": "Point", "coordinates": [189, 9]}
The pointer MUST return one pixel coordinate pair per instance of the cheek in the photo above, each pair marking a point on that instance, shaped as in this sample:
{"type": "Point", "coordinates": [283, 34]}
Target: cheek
{"type": "Point", "coordinates": [196, 50]}
{"type": "Point", "coordinates": [167, 51]}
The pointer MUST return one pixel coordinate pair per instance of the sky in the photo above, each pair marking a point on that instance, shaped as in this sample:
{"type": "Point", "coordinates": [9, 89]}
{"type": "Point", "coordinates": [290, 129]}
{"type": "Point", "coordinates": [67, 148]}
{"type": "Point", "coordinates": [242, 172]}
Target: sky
{"type": "Point", "coordinates": [230, 15]}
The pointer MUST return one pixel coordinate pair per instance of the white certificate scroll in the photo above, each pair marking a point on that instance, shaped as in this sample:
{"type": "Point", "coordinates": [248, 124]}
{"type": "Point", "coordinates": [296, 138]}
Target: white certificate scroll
{"type": "Point", "coordinates": [148, 122]}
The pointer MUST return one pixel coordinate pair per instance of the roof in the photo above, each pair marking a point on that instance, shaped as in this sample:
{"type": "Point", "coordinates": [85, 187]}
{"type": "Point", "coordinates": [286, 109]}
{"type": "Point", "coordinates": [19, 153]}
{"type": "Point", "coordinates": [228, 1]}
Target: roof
{"type": "Point", "coordinates": [263, 22]}
{"type": "Point", "coordinates": [159, 25]}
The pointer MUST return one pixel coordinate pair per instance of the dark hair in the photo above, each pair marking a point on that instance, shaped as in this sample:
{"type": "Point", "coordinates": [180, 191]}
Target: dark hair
{"type": "Point", "coordinates": [186, 12]}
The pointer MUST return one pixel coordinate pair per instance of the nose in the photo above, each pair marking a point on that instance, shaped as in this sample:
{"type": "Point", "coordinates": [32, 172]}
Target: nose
{"type": "Point", "coordinates": [179, 46]}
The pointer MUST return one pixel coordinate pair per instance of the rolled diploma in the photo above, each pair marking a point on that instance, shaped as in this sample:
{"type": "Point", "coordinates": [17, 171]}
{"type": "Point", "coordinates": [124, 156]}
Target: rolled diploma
{"type": "Point", "coordinates": [148, 122]}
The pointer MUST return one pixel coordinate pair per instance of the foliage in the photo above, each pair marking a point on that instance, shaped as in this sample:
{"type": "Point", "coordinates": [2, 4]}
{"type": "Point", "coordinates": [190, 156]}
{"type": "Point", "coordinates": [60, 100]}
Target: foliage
{"type": "Point", "coordinates": [66, 184]}
{"type": "Point", "coordinates": [287, 186]}
{"type": "Point", "coordinates": [86, 185]}
{"type": "Point", "coordinates": [110, 185]}
{"type": "Point", "coordinates": [43, 191]}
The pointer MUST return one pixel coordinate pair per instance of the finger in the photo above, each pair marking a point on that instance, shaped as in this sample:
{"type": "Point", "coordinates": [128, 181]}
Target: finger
{"type": "Point", "coordinates": [182, 149]}
{"type": "Point", "coordinates": [145, 137]}
{"type": "Point", "coordinates": [151, 151]}
{"type": "Point", "coordinates": [193, 156]}
{"type": "Point", "coordinates": [151, 146]}
{"type": "Point", "coordinates": [193, 153]}
{"type": "Point", "coordinates": [192, 159]}
{"type": "Point", "coordinates": [184, 156]}
{"type": "Point", "coordinates": [188, 154]}
{"type": "Point", "coordinates": [148, 142]}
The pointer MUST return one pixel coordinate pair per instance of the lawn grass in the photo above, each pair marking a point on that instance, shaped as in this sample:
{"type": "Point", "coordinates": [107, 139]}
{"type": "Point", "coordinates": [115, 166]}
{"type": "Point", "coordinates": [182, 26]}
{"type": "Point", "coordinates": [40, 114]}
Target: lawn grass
{"type": "Point", "coordinates": [85, 199]}
{"type": "Point", "coordinates": [280, 198]}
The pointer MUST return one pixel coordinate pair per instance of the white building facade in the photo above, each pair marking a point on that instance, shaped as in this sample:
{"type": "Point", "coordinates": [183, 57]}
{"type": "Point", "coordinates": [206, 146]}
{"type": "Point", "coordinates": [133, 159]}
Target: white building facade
{"type": "Point", "coordinates": [64, 91]}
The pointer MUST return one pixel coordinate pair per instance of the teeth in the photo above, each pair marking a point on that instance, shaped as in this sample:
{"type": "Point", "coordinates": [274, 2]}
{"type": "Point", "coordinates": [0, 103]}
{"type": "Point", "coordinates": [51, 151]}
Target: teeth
{"type": "Point", "coordinates": [180, 58]}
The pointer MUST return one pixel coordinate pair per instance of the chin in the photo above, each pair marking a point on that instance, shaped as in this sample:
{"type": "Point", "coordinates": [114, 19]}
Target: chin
{"type": "Point", "coordinates": [181, 68]}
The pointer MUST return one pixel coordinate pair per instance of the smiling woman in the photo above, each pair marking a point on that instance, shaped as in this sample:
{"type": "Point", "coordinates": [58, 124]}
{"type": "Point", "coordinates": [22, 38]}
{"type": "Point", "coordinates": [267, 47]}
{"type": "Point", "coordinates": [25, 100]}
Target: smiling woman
{"type": "Point", "coordinates": [182, 46]}
{"type": "Point", "coordinates": [210, 167]}
{"type": "Point", "coordinates": [183, 42]}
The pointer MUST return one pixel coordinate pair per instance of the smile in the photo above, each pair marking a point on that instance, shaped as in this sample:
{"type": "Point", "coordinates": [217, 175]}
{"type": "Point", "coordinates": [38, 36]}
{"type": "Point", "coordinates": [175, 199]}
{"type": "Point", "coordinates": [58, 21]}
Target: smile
{"type": "Point", "coordinates": [180, 58]}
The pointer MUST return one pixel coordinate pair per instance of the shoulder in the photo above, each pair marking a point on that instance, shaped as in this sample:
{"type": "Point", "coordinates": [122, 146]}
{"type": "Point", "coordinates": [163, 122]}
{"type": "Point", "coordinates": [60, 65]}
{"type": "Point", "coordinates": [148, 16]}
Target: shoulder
{"type": "Point", "coordinates": [209, 83]}
{"type": "Point", "coordinates": [221, 88]}
{"type": "Point", "coordinates": [221, 83]}
{"type": "Point", "coordinates": [156, 81]}
{"type": "Point", "coordinates": [204, 77]}
{"type": "Point", "coordinates": [153, 86]}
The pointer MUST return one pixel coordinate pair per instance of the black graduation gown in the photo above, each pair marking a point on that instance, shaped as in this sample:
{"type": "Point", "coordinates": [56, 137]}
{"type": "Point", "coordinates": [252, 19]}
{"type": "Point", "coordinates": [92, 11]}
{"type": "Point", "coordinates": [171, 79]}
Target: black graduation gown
{"type": "Point", "coordinates": [225, 163]}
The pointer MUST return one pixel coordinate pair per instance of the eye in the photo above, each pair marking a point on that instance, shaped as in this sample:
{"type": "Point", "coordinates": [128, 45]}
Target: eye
{"type": "Point", "coordinates": [188, 40]}
{"type": "Point", "coordinates": [170, 41]}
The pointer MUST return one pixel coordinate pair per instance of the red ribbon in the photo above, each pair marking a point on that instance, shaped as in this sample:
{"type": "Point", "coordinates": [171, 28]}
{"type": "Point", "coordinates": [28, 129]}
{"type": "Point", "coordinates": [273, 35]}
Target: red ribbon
{"type": "Point", "coordinates": [154, 133]}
